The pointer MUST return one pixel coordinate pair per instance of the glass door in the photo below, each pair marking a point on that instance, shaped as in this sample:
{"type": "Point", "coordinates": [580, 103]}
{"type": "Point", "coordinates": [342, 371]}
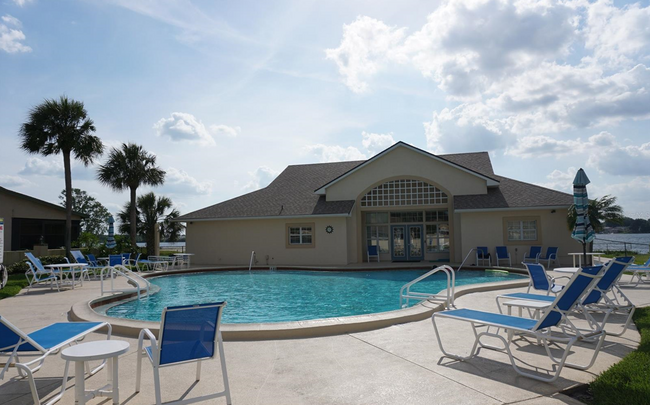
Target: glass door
{"type": "Point", "coordinates": [407, 242]}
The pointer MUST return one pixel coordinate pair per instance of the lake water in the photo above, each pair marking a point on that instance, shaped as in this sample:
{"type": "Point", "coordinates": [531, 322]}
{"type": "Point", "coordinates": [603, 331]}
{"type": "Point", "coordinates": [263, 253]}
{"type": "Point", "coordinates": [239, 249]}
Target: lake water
{"type": "Point", "coordinates": [636, 242]}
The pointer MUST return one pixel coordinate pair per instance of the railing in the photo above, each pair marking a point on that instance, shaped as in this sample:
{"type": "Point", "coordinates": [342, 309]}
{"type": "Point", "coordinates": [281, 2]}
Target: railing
{"type": "Point", "coordinates": [137, 281]}
{"type": "Point", "coordinates": [466, 257]}
{"type": "Point", "coordinates": [405, 293]}
{"type": "Point", "coordinates": [635, 247]}
{"type": "Point", "coordinates": [250, 265]}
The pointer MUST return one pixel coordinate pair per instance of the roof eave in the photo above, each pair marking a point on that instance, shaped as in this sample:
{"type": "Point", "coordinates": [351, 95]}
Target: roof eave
{"type": "Point", "coordinates": [538, 207]}
{"type": "Point", "coordinates": [181, 219]}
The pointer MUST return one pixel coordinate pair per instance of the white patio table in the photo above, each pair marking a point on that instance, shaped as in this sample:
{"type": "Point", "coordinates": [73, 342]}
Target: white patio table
{"type": "Point", "coordinates": [99, 350]}
{"type": "Point", "coordinates": [185, 257]}
{"type": "Point", "coordinates": [72, 269]}
{"type": "Point", "coordinates": [593, 254]}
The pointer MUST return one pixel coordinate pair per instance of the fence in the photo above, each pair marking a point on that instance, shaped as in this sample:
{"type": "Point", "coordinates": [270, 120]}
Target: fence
{"type": "Point", "coordinates": [618, 245]}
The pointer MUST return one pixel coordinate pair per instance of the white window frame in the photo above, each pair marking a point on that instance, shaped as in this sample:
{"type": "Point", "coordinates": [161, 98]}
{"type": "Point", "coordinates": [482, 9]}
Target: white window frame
{"type": "Point", "coordinates": [303, 231]}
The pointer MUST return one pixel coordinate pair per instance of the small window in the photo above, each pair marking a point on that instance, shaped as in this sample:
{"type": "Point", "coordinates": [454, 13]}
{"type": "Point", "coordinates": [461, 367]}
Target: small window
{"type": "Point", "coordinates": [437, 216]}
{"type": "Point", "coordinates": [378, 236]}
{"type": "Point", "coordinates": [437, 238]}
{"type": "Point", "coordinates": [376, 218]}
{"type": "Point", "coordinates": [299, 235]}
{"type": "Point", "coordinates": [406, 217]}
{"type": "Point", "coordinates": [522, 230]}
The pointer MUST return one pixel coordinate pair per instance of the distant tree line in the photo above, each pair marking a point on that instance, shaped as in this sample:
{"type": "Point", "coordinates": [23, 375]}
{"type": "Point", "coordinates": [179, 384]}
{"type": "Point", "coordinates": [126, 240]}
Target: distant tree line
{"type": "Point", "coordinates": [631, 225]}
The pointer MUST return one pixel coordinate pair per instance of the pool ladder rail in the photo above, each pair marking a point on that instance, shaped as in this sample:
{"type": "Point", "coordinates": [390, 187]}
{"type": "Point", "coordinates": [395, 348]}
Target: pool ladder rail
{"type": "Point", "coordinates": [405, 293]}
{"type": "Point", "coordinates": [139, 283]}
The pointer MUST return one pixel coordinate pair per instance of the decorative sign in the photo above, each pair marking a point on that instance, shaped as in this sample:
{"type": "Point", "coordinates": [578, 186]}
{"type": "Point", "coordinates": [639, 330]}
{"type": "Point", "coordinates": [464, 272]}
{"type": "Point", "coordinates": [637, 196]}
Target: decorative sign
{"type": "Point", "coordinates": [329, 229]}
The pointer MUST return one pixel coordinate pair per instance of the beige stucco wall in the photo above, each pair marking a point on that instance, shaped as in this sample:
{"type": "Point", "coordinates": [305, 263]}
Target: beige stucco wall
{"type": "Point", "coordinates": [406, 163]}
{"type": "Point", "coordinates": [231, 242]}
{"type": "Point", "coordinates": [15, 207]}
{"type": "Point", "coordinates": [487, 229]}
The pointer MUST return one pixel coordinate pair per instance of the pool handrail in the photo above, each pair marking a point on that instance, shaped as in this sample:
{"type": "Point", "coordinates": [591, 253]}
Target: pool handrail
{"type": "Point", "coordinates": [133, 278]}
{"type": "Point", "coordinates": [448, 299]}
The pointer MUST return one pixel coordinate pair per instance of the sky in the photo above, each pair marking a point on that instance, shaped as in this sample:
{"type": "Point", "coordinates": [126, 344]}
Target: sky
{"type": "Point", "coordinates": [227, 94]}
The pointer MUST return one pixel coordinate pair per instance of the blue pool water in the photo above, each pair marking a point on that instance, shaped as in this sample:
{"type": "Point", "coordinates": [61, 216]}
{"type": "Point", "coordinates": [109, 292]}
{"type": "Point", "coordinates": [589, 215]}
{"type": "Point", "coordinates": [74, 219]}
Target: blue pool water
{"type": "Point", "coordinates": [278, 296]}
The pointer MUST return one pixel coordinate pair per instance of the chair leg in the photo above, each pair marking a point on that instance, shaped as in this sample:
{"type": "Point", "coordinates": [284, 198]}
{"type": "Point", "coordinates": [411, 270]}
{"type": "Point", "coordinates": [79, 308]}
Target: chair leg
{"type": "Point", "coordinates": [138, 371]}
{"type": "Point", "coordinates": [156, 384]}
{"type": "Point", "coordinates": [224, 371]}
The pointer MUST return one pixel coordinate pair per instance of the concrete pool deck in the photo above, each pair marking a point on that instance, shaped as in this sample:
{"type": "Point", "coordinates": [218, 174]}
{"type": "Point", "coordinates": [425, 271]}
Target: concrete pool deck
{"type": "Point", "coordinates": [397, 364]}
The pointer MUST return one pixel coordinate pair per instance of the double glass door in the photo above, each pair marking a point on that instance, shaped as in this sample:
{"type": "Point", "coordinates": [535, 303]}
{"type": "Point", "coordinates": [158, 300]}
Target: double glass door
{"type": "Point", "coordinates": [407, 242]}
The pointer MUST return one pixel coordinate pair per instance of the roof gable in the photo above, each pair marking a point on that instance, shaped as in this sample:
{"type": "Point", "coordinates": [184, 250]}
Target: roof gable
{"type": "Point", "coordinates": [37, 201]}
{"type": "Point", "coordinates": [491, 182]}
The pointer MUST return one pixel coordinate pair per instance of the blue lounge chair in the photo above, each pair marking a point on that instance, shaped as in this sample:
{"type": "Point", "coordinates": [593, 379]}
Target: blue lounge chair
{"type": "Point", "coordinates": [541, 281]}
{"type": "Point", "coordinates": [39, 268]}
{"type": "Point", "coordinates": [638, 271]}
{"type": "Point", "coordinates": [503, 254]}
{"type": "Point", "coordinates": [373, 251]}
{"type": "Point", "coordinates": [580, 284]}
{"type": "Point", "coordinates": [188, 333]}
{"type": "Point", "coordinates": [126, 257]}
{"type": "Point", "coordinates": [43, 342]}
{"type": "Point", "coordinates": [79, 258]}
{"type": "Point", "coordinates": [483, 254]}
{"type": "Point", "coordinates": [606, 298]}
{"type": "Point", "coordinates": [551, 256]}
{"type": "Point", "coordinates": [533, 255]}
{"type": "Point", "coordinates": [35, 276]}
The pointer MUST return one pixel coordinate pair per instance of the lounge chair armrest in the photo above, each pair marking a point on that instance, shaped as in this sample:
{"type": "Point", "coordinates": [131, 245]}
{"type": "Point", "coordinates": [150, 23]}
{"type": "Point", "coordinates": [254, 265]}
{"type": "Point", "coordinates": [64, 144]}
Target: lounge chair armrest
{"type": "Point", "coordinates": [149, 335]}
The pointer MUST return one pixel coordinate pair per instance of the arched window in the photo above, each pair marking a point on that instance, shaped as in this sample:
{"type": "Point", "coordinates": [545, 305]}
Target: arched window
{"type": "Point", "coordinates": [401, 193]}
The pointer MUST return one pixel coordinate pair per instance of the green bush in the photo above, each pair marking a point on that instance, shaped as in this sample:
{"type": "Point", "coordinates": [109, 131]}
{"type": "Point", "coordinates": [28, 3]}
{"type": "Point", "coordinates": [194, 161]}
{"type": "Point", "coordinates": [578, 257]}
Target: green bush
{"type": "Point", "coordinates": [21, 267]}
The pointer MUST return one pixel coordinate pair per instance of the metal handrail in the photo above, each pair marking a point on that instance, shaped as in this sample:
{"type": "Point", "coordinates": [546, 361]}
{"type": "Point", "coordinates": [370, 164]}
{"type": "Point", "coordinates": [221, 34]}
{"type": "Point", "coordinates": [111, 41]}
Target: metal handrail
{"type": "Point", "coordinates": [465, 259]}
{"type": "Point", "coordinates": [406, 293]}
{"type": "Point", "coordinates": [132, 278]}
{"type": "Point", "coordinates": [250, 265]}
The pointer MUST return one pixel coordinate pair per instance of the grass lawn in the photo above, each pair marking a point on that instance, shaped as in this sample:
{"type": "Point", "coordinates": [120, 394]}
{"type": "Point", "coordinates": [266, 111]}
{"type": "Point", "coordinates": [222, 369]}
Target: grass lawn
{"type": "Point", "coordinates": [16, 283]}
{"type": "Point", "coordinates": [628, 382]}
{"type": "Point", "coordinates": [639, 258]}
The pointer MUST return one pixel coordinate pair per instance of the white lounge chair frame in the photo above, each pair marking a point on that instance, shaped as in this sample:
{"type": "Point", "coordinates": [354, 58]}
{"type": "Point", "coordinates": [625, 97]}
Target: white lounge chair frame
{"type": "Point", "coordinates": [35, 276]}
{"type": "Point", "coordinates": [543, 335]}
{"type": "Point", "coordinates": [27, 369]}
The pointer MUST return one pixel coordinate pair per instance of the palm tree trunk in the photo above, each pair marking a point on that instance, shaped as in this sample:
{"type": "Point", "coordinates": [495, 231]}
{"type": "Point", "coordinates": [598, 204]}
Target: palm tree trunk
{"type": "Point", "coordinates": [68, 202]}
{"type": "Point", "coordinates": [133, 219]}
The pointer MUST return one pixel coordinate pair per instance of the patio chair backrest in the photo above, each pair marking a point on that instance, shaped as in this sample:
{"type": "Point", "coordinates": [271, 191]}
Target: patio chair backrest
{"type": "Point", "coordinates": [372, 250]}
{"type": "Point", "coordinates": [538, 276]}
{"type": "Point", "coordinates": [613, 272]}
{"type": "Point", "coordinates": [92, 260]}
{"type": "Point", "coordinates": [11, 335]}
{"type": "Point", "coordinates": [502, 252]}
{"type": "Point", "coordinates": [551, 252]}
{"type": "Point", "coordinates": [35, 261]}
{"type": "Point", "coordinates": [78, 256]}
{"type": "Point", "coordinates": [482, 251]}
{"type": "Point", "coordinates": [189, 332]}
{"type": "Point", "coordinates": [535, 251]}
{"type": "Point", "coordinates": [114, 260]}
{"type": "Point", "coordinates": [581, 282]}
{"type": "Point", "coordinates": [126, 257]}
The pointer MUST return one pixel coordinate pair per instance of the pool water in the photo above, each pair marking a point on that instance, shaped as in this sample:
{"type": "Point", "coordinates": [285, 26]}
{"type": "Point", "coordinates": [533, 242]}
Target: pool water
{"type": "Point", "coordinates": [278, 296]}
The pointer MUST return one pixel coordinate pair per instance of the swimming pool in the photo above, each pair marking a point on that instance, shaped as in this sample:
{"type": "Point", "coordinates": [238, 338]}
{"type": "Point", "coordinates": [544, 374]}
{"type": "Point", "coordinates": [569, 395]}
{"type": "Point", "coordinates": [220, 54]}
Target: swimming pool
{"type": "Point", "coordinates": [279, 296]}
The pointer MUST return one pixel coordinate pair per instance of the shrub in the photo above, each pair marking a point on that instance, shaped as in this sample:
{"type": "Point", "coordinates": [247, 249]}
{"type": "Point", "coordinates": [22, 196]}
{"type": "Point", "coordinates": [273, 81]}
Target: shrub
{"type": "Point", "coordinates": [22, 267]}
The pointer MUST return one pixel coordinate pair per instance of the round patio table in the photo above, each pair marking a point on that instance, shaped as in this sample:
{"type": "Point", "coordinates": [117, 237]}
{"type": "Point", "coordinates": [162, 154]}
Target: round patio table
{"type": "Point", "coordinates": [570, 270]}
{"type": "Point", "coordinates": [101, 350]}
{"type": "Point", "coordinates": [72, 270]}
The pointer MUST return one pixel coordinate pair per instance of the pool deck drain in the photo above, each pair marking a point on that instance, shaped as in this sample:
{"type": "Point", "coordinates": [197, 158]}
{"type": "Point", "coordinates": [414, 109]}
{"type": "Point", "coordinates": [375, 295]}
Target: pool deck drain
{"type": "Point", "coordinates": [397, 364]}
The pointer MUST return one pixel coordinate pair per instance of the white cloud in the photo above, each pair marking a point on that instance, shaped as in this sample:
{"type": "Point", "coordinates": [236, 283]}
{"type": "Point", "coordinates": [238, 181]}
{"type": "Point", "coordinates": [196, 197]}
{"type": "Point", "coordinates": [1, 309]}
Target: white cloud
{"type": "Point", "coordinates": [375, 143]}
{"type": "Point", "coordinates": [184, 127]}
{"type": "Point", "coordinates": [11, 38]}
{"type": "Point", "coordinates": [22, 3]}
{"type": "Point", "coordinates": [632, 194]}
{"type": "Point", "coordinates": [40, 167]}
{"type": "Point", "coordinates": [180, 182]}
{"type": "Point", "coordinates": [465, 128]}
{"type": "Point", "coordinates": [617, 35]}
{"type": "Point", "coordinates": [225, 130]}
{"type": "Point", "coordinates": [367, 45]}
{"type": "Point", "coordinates": [14, 181]}
{"type": "Point", "coordinates": [335, 153]}
{"type": "Point", "coordinates": [261, 178]}
{"type": "Point", "coordinates": [559, 180]}
{"type": "Point", "coordinates": [612, 158]}
{"type": "Point", "coordinates": [545, 146]}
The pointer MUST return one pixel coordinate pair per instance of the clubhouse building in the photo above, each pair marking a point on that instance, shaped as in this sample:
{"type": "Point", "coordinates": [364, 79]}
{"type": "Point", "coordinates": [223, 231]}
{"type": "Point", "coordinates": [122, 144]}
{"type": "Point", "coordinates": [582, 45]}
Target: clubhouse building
{"type": "Point", "coordinates": [411, 204]}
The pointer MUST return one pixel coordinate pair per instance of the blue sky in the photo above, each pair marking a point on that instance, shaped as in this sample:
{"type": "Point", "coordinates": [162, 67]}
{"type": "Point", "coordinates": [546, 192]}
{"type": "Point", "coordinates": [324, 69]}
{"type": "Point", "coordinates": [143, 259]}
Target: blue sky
{"type": "Point", "coordinates": [227, 94]}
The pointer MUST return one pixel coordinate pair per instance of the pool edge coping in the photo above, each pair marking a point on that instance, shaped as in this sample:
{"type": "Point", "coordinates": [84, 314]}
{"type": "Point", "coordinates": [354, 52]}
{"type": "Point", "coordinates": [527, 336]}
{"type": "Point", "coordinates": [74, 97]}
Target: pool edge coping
{"type": "Point", "coordinates": [83, 312]}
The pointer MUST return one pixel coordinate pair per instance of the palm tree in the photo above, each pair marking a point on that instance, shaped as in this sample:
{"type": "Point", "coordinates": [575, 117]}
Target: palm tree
{"type": "Point", "coordinates": [172, 230]}
{"type": "Point", "coordinates": [62, 126]}
{"type": "Point", "coordinates": [129, 168]}
{"type": "Point", "coordinates": [601, 210]}
{"type": "Point", "coordinates": [150, 210]}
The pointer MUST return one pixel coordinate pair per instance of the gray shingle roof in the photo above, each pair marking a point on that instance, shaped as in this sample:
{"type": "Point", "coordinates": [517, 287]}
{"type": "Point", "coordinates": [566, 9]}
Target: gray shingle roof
{"type": "Point", "coordinates": [292, 192]}
{"type": "Point", "coordinates": [513, 194]}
